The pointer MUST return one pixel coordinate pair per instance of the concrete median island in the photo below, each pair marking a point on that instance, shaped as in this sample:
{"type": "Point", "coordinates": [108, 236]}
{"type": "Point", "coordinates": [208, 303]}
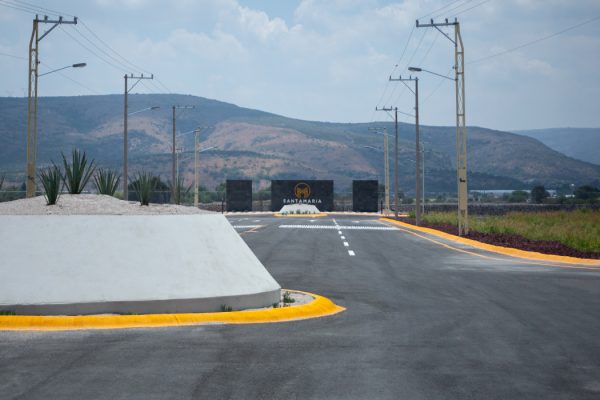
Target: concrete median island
{"type": "Point", "coordinates": [95, 254]}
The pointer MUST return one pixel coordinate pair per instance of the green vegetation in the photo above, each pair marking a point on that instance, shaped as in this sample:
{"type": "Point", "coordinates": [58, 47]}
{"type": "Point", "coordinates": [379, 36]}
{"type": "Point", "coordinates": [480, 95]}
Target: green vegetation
{"type": "Point", "coordinates": [287, 298]}
{"type": "Point", "coordinates": [51, 179]}
{"type": "Point", "coordinates": [78, 172]}
{"type": "Point", "coordinates": [7, 312]}
{"type": "Point", "coordinates": [106, 181]}
{"type": "Point", "coordinates": [1, 181]}
{"type": "Point", "coordinates": [181, 191]}
{"type": "Point", "coordinates": [578, 229]}
{"type": "Point", "coordinates": [226, 308]}
{"type": "Point", "coordinates": [538, 194]}
{"type": "Point", "coordinates": [144, 185]}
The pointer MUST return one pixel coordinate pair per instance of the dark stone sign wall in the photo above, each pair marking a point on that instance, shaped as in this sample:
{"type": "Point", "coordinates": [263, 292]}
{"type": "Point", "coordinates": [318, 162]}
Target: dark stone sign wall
{"type": "Point", "coordinates": [318, 193]}
{"type": "Point", "coordinates": [239, 195]}
{"type": "Point", "coordinates": [365, 196]}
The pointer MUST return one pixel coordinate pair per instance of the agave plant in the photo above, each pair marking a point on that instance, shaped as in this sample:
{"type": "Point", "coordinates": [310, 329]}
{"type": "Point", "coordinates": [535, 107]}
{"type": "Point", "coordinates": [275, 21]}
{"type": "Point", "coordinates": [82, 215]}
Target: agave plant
{"type": "Point", "coordinates": [180, 190]}
{"type": "Point", "coordinates": [51, 179]}
{"type": "Point", "coordinates": [78, 172]}
{"type": "Point", "coordinates": [144, 185]}
{"type": "Point", "coordinates": [106, 181]}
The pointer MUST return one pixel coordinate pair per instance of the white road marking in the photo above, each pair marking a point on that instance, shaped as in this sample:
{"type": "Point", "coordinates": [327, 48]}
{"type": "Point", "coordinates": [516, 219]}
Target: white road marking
{"type": "Point", "coordinates": [246, 226]}
{"type": "Point", "coordinates": [351, 253]}
{"type": "Point", "coordinates": [343, 238]}
{"type": "Point", "coordinates": [256, 220]}
{"type": "Point", "coordinates": [352, 227]}
{"type": "Point", "coordinates": [346, 244]}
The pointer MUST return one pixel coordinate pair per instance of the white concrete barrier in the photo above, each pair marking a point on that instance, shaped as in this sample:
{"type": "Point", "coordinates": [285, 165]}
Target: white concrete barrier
{"type": "Point", "coordinates": [89, 264]}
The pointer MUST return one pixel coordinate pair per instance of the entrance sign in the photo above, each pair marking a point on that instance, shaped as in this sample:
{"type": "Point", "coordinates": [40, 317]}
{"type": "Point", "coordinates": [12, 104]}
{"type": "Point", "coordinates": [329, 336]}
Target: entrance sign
{"type": "Point", "coordinates": [365, 196]}
{"type": "Point", "coordinates": [239, 195]}
{"type": "Point", "coordinates": [315, 192]}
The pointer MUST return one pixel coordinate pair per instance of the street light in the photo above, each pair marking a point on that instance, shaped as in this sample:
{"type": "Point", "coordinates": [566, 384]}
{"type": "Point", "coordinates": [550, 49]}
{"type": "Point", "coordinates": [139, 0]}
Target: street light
{"type": "Point", "coordinates": [32, 123]}
{"type": "Point", "coordinates": [144, 109]}
{"type": "Point", "coordinates": [78, 65]}
{"type": "Point", "coordinates": [415, 69]}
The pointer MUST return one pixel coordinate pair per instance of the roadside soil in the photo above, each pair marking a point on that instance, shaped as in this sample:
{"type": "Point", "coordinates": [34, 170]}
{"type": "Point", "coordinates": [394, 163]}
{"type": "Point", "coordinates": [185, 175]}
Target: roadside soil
{"type": "Point", "coordinates": [513, 241]}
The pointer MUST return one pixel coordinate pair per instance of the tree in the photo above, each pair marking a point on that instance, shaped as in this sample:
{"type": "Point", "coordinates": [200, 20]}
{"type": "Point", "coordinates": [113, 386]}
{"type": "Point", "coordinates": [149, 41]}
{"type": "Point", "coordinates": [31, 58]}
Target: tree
{"type": "Point", "coordinates": [518, 196]}
{"type": "Point", "coordinates": [587, 192]}
{"type": "Point", "coordinates": [538, 194]}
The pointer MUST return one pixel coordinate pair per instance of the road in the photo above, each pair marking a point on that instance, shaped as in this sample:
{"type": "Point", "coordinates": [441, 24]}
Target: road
{"type": "Point", "coordinates": [425, 319]}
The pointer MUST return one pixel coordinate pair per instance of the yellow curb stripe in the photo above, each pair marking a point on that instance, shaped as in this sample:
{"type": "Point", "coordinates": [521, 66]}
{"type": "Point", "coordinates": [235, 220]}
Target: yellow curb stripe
{"type": "Point", "coordinates": [300, 215]}
{"type": "Point", "coordinates": [528, 255]}
{"type": "Point", "coordinates": [319, 307]}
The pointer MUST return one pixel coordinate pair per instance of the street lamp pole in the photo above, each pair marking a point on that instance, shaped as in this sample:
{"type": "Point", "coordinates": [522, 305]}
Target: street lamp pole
{"type": "Point", "coordinates": [173, 155]}
{"type": "Point", "coordinates": [417, 145]}
{"type": "Point", "coordinates": [395, 109]}
{"type": "Point", "coordinates": [461, 128]}
{"type": "Point", "coordinates": [125, 141]}
{"type": "Point", "coordinates": [386, 168]}
{"type": "Point", "coordinates": [32, 97]}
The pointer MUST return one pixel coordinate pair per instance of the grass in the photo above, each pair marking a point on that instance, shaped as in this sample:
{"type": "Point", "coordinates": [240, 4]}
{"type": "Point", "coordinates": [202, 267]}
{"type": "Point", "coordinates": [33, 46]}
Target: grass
{"type": "Point", "coordinates": [287, 298]}
{"type": "Point", "coordinates": [78, 172]}
{"type": "Point", "coordinates": [51, 179]}
{"type": "Point", "coordinates": [106, 181]}
{"type": "Point", "coordinates": [578, 229]}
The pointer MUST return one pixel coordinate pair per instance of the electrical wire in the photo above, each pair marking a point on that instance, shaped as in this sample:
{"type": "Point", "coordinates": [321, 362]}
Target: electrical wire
{"type": "Point", "coordinates": [533, 41]}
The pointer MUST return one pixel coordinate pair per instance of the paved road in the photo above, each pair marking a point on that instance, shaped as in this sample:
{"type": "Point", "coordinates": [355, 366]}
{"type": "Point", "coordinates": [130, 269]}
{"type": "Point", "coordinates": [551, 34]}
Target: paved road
{"type": "Point", "coordinates": [424, 320]}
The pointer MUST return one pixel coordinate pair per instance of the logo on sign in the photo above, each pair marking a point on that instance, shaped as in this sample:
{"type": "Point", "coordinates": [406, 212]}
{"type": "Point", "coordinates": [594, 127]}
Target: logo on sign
{"type": "Point", "coordinates": [302, 191]}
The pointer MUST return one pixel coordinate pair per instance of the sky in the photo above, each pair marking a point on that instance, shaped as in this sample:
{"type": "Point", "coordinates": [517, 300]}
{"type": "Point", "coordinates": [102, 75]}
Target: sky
{"type": "Point", "coordinates": [325, 60]}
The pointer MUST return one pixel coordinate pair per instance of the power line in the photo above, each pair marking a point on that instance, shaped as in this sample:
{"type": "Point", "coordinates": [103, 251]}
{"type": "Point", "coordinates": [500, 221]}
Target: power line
{"type": "Point", "coordinates": [470, 8]}
{"type": "Point", "coordinates": [118, 68]}
{"type": "Point", "coordinates": [447, 12]}
{"type": "Point", "coordinates": [440, 9]}
{"type": "Point", "coordinates": [534, 41]}
{"type": "Point", "coordinates": [13, 56]}
{"type": "Point", "coordinates": [31, 5]}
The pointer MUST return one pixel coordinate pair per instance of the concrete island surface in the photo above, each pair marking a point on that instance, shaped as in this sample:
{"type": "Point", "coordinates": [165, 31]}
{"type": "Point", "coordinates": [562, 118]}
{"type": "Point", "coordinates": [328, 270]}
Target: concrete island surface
{"type": "Point", "coordinates": [94, 254]}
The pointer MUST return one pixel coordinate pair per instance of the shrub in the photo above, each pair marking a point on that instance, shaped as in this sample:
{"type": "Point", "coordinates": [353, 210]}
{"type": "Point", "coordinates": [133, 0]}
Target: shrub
{"type": "Point", "coordinates": [106, 181]}
{"type": "Point", "coordinates": [226, 308]}
{"type": "Point", "coordinates": [51, 179]}
{"type": "Point", "coordinates": [1, 181]}
{"type": "Point", "coordinates": [78, 172]}
{"type": "Point", "coordinates": [287, 298]}
{"type": "Point", "coordinates": [180, 190]}
{"type": "Point", "coordinates": [144, 185]}
{"type": "Point", "coordinates": [538, 194]}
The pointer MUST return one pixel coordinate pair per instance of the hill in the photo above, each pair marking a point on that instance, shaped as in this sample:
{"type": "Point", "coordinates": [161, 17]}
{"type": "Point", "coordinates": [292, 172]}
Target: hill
{"type": "Point", "coordinates": [579, 143]}
{"type": "Point", "coordinates": [262, 146]}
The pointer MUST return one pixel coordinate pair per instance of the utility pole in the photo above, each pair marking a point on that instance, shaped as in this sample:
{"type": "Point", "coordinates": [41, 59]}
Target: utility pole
{"type": "Point", "coordinates": [125, 141]}
{"type": "Point", "coordinates": [386, 168]}
{"type": "Point", "coordinates": [32, 98]}
{"type": "Point", "coordinates": [196, 173]}
{"type": "Point", "coordinates": [174, 157]}
{"type": "Point", "coordinates": [395, 109]}
{"type": "Point", "coordinates": [417, 145]}
{"type": "Point", "coordinates": [461, 129]}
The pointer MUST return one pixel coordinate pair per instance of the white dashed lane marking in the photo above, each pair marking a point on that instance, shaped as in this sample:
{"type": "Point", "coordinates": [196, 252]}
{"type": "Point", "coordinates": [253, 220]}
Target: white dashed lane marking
{"type": "Point", "coordinates": [246, 226]}
{"type": "Point", "coordinates": [346, 244]}
{"type": "Point", "coordinates": [343, 237]}
{"type": "Point", "coordinates": [351, 253]}
{"type": "Point", "coordinates": [338, 227]}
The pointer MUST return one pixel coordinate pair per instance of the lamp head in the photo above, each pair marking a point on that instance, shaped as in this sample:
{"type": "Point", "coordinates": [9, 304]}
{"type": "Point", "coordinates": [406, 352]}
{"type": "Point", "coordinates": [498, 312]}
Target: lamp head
{"type": "Point", "coordinates": [79, 65]}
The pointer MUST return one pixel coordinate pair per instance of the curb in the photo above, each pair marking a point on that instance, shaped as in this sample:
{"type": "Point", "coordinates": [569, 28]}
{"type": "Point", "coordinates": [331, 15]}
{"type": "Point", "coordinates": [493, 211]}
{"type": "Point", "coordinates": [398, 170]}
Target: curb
{"type": "Point", "coordinates": [300, 215]}
{"type": "Point", "coordinates": [319, 307]}
{"type": "Point", "coordinates": [509, 251]}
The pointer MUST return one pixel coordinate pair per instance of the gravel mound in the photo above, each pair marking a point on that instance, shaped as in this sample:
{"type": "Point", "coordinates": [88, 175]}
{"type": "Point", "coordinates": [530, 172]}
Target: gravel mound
{"type": "Point", "coordinates": [91, 204]}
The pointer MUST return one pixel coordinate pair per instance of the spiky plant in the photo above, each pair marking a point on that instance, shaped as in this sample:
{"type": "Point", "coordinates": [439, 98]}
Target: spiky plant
{"type": "Point", "coordinates": [78, 172]}
{"type": "Point", "coordinates": [144, 185]}
{"type": "Point", "coordinates": [51, 179]}
{"type": "Point", "coordinates": [106, 181]}
{"type": "Point", "coordinates": [180, 190]}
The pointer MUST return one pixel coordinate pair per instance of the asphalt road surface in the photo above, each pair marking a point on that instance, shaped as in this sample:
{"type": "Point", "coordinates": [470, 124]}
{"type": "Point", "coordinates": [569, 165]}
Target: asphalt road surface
{"type": "Point", "coordinates": [425, 319]}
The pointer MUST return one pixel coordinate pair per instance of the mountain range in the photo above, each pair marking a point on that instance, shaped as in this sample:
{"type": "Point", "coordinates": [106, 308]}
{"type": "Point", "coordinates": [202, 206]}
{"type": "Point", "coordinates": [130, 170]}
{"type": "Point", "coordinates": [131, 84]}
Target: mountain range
{"type": "Point", "coordinates": [580, 143]}
{"type": "Point", "coordinates": [246, 143]}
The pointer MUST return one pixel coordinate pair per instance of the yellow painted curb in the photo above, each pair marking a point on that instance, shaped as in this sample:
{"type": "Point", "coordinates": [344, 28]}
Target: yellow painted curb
{"type": "Point", "coordinates": [319, 307]}
{"type": "Point", "coordinates": [529, 255]}
{"type": "Point", "coordinates": [300, 215]}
